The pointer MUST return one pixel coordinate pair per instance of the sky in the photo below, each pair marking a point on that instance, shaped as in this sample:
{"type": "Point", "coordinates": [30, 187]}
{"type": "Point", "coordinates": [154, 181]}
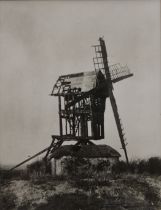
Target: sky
{"type": "Point", "coordinates": [42, 40]}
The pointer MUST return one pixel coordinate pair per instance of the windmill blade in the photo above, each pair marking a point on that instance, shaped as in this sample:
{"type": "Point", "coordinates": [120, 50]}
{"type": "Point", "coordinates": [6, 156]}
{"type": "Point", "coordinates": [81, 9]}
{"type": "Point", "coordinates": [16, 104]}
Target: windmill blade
{"type": "Point", "coordinates": [119, 72]}
{"type": "Point", "coordinates": [118, 123]}
{"type": "Point", "coordinates": [121, 78]}
{"type": "Point", "coordinates": [115, 74]}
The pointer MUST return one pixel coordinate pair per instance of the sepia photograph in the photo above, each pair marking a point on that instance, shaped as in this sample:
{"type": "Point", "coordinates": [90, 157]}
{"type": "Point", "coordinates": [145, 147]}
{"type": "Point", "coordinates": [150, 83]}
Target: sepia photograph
{"type": "Point", "coordinates": [80, 108]}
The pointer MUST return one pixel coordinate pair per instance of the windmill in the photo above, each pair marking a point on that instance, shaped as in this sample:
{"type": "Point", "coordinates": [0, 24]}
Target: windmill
{"type": "Point", "coordinates": [81, 102]}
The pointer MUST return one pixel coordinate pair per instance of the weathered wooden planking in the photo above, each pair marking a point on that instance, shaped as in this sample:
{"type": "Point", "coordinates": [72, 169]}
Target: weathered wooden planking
{"type": "Point", "coordinates": [86, 81]}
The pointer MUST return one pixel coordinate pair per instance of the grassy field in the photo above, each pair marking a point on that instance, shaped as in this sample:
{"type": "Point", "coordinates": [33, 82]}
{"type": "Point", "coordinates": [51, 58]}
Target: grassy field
{"type": "Point", "coordinates": [116, 192]}
{"type": "Point", "coordinates": [136, 187]}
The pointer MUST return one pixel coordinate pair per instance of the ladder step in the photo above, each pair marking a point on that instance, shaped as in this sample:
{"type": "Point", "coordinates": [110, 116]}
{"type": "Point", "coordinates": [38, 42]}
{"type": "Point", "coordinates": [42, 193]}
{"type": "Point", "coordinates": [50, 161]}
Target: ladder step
{"type": "Point", "coordinates": [96, 46]}
{"type": "Point", "coordinates": [98, 63]}
{"type": "Point", "coordinates": [97, 57]}
{"type": "Point", "coordinates": [99, 68]}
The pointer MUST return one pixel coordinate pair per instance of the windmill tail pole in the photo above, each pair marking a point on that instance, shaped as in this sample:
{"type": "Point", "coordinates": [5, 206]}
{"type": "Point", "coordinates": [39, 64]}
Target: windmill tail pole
{"type": "Point", "coordinates": [28, 159]}
{"type": "Point", "coordinates": [118, 123]}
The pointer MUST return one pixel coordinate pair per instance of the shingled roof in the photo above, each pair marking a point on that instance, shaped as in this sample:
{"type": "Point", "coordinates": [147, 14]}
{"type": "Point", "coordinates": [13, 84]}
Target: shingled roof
{"type": "Point", "coordinates": [89, 151]}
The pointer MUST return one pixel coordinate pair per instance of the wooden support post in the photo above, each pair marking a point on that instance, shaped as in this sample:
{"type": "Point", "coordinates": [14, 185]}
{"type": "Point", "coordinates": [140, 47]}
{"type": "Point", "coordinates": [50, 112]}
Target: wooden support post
{"type": "Point", "coordinates": [60, 117]}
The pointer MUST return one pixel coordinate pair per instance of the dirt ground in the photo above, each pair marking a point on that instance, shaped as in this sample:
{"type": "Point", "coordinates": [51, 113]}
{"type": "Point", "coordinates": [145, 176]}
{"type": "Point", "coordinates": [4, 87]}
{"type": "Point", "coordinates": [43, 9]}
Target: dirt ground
{"type": "Point", "coordinates": [133, 192]}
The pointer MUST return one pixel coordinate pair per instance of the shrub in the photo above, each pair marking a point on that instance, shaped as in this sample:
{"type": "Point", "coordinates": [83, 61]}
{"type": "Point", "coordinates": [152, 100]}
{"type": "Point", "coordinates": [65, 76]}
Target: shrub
{"type": "Point", "coordinates": [119, 167]}
{"type": "Point", "coordinates": [142, 167]}
{"type": "Point", "coordinates": [84, 168]}
{"type": "Point", "coordinates": [103, 165]}
{"type": "Point", "coordinates": [151, 166]}
{"type": "Point", "coordinates": [154, 165]}
{"type": "Point", "coordinates": [38, 168]}
{"type": "Point", "coordinates": [152, 195]}
{"type": "Point", "coordinates": [6, 175]}
{"type": "Point", "coordinates": [7, 201]}
{"type": "Point", "coordinates": [133, 166]}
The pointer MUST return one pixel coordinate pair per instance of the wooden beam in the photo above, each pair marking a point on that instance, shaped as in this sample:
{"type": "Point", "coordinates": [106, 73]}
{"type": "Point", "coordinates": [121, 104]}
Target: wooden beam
{"type": "Point", "coordinates": [118, 124]}
{"type": "Point", "coordinates": [30, 158]}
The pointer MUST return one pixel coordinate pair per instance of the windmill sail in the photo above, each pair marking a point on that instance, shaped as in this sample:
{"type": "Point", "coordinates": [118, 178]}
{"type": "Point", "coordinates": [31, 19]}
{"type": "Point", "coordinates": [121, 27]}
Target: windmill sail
{"type": "Point", "coordinates": [116, 73]}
